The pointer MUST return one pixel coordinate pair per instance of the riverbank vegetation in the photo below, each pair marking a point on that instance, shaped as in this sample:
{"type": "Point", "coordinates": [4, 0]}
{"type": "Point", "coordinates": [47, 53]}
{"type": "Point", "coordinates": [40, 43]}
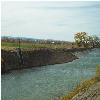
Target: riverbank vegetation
{"type": "Point", "coordinates": [83, 86]}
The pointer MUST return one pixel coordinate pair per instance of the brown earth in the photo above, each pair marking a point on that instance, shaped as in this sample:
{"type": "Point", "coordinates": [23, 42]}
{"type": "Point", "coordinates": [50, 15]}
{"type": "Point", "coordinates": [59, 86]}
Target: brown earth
{"type": "Point", "coordinates": [93, 93]}
{"type": "Point", "coordinates": [34, 58]}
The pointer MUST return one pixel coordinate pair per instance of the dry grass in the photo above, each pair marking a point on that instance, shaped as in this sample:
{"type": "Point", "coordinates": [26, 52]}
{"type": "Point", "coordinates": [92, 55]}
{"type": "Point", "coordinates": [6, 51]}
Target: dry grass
{"type": "Point", "coordinates": [12, 46]}
{"type": "Point", "coordinates": [98, 73]}
{"type": "Point", "coordinates": [84, 86]}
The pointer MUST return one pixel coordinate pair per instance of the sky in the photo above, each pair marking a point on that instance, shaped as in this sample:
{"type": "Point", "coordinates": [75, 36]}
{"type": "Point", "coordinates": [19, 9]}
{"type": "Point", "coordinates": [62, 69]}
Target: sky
{"type": "Point", "coordinates": [49, 20]}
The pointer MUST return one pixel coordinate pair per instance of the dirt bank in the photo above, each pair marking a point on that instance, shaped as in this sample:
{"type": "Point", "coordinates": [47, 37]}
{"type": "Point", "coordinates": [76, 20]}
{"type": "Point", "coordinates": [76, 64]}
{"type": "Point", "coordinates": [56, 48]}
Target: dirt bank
{"type": "Point", "coordinates": [93, 93]}
{"type": "Point", "coordinates": [34, 58]}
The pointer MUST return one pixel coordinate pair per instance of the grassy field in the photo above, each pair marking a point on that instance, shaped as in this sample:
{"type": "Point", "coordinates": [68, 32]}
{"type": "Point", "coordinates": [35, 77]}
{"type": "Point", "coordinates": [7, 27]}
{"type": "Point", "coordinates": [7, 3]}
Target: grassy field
{"type": "Point", "coordinates": [13, 45]}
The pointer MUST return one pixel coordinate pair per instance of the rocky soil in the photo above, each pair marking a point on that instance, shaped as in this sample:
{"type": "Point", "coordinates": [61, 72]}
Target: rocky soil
{"type": "Point", "coordinates": [93, 93]}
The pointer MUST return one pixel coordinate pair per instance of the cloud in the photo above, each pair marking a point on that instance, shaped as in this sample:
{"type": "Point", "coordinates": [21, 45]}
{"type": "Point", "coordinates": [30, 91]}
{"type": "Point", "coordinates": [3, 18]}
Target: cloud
{"type": "Point", "coordinates": [49, 19]}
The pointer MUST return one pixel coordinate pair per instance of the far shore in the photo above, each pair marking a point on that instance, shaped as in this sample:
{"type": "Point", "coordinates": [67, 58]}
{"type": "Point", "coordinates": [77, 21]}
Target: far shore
{"type": "Point", "coordinates": [37, 57]}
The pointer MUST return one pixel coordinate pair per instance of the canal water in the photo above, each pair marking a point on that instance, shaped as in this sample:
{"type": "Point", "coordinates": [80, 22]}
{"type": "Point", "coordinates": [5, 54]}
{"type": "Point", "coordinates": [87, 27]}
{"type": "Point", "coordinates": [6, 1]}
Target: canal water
{"type": "Point", "coordinates": [49, 82]}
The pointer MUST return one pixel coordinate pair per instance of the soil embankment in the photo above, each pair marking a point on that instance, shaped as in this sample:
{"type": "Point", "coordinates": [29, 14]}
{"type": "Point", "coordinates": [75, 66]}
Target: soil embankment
{"type": "Point", "coordinates": [93, 93]}
{"type": "Point", "coordinates": [35, 58]}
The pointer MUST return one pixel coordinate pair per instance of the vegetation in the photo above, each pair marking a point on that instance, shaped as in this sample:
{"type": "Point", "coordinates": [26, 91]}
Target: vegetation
{"type": "Point", "coordinates": [98, 73]}
{"type": "Point", "coordinates": [83, 39]}
{"type": "Point", "coordinates": [12, 43]}
{"type": "Point", "coordinates": [84, 86]}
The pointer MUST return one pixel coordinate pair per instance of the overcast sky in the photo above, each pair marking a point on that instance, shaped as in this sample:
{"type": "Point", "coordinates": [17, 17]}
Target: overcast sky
{"type": "Point", "coordinates": [49, 20]}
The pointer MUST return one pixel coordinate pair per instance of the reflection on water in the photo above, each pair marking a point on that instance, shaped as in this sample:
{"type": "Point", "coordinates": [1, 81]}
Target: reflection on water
{"type": "Point", "coordinates": [49, 82]}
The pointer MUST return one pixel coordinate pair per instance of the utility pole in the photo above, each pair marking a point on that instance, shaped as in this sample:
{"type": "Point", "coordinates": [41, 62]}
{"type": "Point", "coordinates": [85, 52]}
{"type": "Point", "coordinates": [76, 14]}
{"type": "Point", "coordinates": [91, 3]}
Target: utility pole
{"type": "Point", "coordinates": [20, 52]}
{"type": "Point", "coordinates": [19, 43]}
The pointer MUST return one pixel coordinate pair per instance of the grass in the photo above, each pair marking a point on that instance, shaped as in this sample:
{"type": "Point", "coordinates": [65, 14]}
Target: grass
{"type": "Point", "coordinates": [98, 73]}
{"type": "Point", "coordinates": [83, 87]}
{"type": "Point", "coordinates": [24, 45]}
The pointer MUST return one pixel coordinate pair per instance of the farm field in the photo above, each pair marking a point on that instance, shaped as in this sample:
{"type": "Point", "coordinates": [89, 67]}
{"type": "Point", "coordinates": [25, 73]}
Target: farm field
{"type": "Point", "coordinates": [24, 45]}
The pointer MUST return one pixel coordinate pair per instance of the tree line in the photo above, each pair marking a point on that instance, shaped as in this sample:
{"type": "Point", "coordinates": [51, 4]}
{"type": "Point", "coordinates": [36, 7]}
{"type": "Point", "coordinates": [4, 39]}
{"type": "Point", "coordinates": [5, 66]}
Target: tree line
{"type": "Point", "coordinates": [86, 40]}
{"type": "Point", "coordinates": [32, 40]}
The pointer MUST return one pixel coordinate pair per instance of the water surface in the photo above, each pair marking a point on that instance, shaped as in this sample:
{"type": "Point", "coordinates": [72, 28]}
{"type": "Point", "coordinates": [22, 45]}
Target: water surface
{"type": "Point", "coordinates": [49, 82]}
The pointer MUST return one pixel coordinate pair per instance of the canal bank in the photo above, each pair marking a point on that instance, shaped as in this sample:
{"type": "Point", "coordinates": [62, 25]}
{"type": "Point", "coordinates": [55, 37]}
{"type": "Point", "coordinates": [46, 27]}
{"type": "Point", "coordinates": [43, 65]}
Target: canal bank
{"type": "Point", "coordinates": [11, 59]}
{"type": "Point", "coordinates": [34, 58]}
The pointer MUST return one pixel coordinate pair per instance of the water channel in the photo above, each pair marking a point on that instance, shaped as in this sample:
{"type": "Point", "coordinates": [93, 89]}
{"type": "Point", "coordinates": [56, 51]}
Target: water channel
{"type": "Point", "coordinates": [49, 82]}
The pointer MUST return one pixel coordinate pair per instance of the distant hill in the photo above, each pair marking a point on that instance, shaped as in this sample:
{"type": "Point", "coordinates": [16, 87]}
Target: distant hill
{"type": "Point", "coordinates": [24, 39]}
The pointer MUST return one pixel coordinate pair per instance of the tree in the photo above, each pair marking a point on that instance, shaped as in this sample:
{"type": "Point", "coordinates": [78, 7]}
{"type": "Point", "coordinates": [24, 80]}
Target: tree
{"type": "Point", "coordinates": [96, 41]}
{"type": "Point", "coordinates": [91, 41]}
{"type": "Point", "coordinates": [81, 39]}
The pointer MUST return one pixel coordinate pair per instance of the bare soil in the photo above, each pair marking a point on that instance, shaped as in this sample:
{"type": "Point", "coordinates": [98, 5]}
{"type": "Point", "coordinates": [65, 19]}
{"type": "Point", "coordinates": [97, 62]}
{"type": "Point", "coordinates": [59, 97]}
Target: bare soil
{"type": "Point", "coordinates": [93, 93]}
